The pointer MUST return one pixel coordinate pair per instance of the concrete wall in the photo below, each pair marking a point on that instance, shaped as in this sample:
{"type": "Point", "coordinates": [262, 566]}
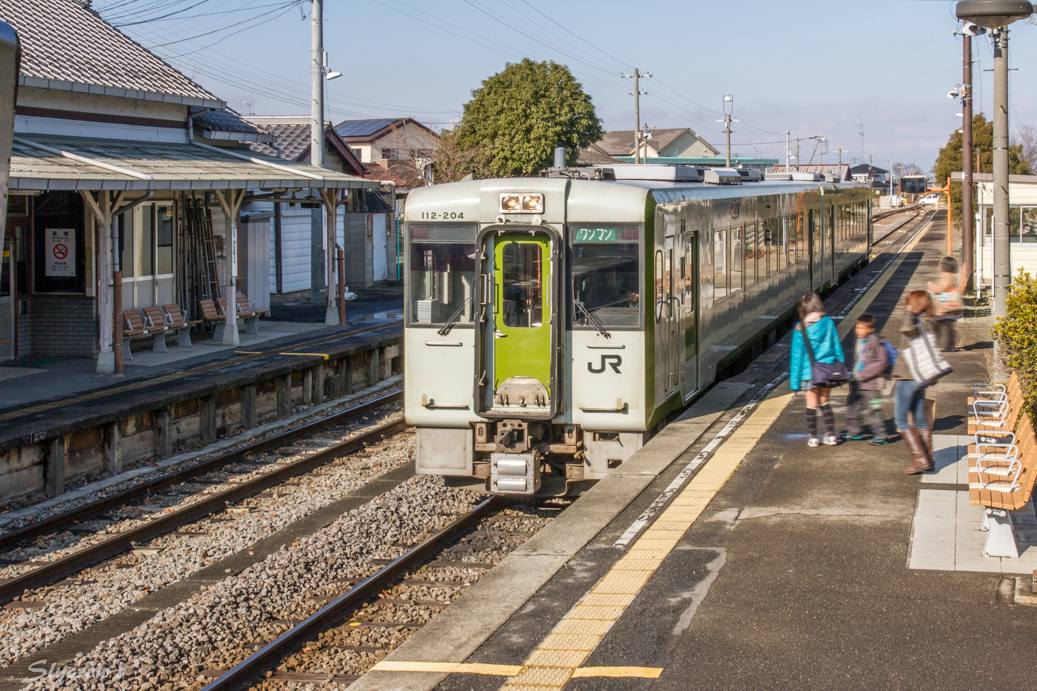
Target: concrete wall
{"type": "Point", "coordinates": [161, 429]}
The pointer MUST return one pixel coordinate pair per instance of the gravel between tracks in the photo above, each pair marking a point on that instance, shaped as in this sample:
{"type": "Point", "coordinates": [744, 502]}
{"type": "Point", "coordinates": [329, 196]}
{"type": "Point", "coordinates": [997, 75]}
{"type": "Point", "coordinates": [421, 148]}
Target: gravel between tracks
{"type": "Point", "coordinates": [71, 607]}
{"type": "Point", "coordinates": [216, 627]}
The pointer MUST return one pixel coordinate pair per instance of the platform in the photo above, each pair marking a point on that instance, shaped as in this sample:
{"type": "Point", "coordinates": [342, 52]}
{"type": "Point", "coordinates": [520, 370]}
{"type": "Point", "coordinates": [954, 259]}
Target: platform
{"type": "Point", "coordinates": [735, 557]}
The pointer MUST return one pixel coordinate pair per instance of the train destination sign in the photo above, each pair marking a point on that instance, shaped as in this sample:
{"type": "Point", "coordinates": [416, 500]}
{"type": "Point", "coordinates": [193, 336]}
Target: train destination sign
{"type": "Point", "coordinates": [607, 234]}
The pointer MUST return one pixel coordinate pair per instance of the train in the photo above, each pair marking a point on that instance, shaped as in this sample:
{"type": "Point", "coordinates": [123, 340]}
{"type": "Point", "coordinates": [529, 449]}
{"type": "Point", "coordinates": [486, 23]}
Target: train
{"type": "Point", "coordinates": [554, 324]}
{"type": "Point", "coordinates": [913, 187]}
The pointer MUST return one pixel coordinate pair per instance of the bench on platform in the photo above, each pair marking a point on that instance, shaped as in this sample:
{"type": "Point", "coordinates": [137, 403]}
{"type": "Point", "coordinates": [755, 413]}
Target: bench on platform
{"type": "Point", "coordinates": [214, 318]}
{"type": "Point", "coordinates": [135, 327]}
{"type": "Point", "coordinates": [176, 321]}
{"type": "Point", "coordinates": [1003, 470]}
{"type": "Point", "coordinates": [995, 408]}
{"type": "Point", "coordinates": [244, 309]}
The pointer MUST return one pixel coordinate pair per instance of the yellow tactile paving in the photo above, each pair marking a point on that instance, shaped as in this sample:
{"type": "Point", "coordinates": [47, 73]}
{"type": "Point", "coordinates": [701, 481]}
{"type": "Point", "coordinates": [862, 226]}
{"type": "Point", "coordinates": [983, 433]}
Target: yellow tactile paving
{"type": "Point", "coordinates": [556, 658]}
{"type": "Point", "coordinates": [592, 627]}
{"type": "Point", "coordinates": [569, 641]}
{"type": "Point", "coordinates": [608, 598]}
{"type": "Point", "coordinates": [585, 611]}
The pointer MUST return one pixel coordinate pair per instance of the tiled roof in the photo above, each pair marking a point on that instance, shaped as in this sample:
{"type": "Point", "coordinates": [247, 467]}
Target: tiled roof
{"type": "Point", "coordinates": [226, 124]}
{"type": "Point", "coordinates": [376, 172]}
{"type": "Point", "coordinates": [64, 43]}
{"type": "Point", "coordinates": [291, 134]}
{"type": "Point", "coordinates": [363, 128]}
{"type": "Point", "coordinates": [621, 142]}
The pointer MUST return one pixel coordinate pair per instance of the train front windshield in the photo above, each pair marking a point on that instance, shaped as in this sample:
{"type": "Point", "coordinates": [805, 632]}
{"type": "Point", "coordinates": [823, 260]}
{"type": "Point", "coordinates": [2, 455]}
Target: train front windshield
{"type": "Point", "coordinates": [442, 269]}
{"type": "Point", "coordinates": [913, 185]}
{"type": "Point", "coordinates": [606, 277]}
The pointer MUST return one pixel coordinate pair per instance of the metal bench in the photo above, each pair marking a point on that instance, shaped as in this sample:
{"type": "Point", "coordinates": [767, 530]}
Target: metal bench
{"type": "Point", "coordinates": [213, 317]}
{"type": "Point", "coordinates": [176, 321]}
{"type": "Point", "coordinates": [135, 327]}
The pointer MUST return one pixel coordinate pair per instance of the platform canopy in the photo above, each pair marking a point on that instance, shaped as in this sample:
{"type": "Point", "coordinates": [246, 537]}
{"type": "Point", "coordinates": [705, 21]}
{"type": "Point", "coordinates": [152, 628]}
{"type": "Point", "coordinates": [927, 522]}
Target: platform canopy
{"type": "Point", "coordinates": [73, 164]}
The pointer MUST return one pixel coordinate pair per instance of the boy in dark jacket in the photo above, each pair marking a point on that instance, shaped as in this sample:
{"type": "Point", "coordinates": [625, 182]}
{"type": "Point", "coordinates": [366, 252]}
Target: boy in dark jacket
{"type": "Point", "coordinates": [864, 401]}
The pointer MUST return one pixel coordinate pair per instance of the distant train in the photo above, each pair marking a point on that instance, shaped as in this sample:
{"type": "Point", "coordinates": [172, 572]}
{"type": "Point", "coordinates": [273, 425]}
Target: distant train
{"type": "Point", "coordinates": [913, 187]}
{"type": "Point", "coordinates": [552, 324]}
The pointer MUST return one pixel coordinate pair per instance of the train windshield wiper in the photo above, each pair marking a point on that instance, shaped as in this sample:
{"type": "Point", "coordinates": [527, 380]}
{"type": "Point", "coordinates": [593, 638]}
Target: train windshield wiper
{"type": "Point", "coordinates": [454, 318]}
{"type": "Point", "coordinates": [593, 319]}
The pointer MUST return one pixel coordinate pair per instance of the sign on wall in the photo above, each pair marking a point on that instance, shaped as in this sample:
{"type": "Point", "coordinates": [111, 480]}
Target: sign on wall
{"type": "Point", "coordinates": [61, 252]}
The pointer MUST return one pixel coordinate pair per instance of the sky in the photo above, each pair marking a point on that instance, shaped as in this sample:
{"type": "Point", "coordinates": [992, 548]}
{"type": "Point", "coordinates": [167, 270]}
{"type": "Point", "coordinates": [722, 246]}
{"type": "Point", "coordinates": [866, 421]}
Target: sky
{"type": "Point", "coordinates": [815, 68]}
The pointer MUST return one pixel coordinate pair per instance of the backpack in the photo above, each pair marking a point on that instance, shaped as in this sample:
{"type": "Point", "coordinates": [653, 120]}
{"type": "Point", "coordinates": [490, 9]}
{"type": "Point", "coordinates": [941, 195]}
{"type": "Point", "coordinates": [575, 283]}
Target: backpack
{"type": "Point", "coordinates": [891, 356]}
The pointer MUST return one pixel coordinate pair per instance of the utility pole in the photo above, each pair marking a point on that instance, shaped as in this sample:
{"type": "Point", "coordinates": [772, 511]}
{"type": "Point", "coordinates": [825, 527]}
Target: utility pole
{"type": "Point", "coordinates": [788, 164]}
{"type": "Point", "coordinates": [1002, 260]}
{"type": "Point", "coordinates": [841, 155]}
{"type": "Point", "coordinates": [967, 215]}
{"type": "Point", "coordinates": [729, 107]}
{"type": "Point", "coordinates": [797, 153]}
{"type": "Point", "coordinates": [317, 84]}
{"type": "Point", "coordinates": [891, 182]}
{"type": "Point", "coordinates": [637, 93]}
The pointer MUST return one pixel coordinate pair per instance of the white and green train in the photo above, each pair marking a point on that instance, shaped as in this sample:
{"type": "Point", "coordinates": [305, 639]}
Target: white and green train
{"type": "Point", "coordinates": [554, 323]}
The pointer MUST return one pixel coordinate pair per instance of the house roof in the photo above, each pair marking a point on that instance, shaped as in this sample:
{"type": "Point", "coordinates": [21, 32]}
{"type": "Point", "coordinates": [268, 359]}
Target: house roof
{"type": "Point", "coordinates": [864, 168]}
{"type": "Point", "coordinates": [355, 131]}
{"type": "Point", "coordinates": [68, 47]}
{"type": "Point", "coordinates": [291, 134]}
{"type": "Point", "coordinates": [621, 142]}
{"type": "Point", "coordinates": [227, 125]}
{"type": "Point", "coordinates": [594, 155]}
{"type": "Point", "coordinates": [376, 172]}
{"type": "Point", "coordinates": [73, 163]}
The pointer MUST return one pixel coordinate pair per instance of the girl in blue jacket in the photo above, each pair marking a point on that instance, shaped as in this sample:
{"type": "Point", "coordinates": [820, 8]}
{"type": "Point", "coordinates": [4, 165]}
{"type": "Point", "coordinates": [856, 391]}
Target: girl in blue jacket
{"type": "Point", "coordinates": [824, 341]}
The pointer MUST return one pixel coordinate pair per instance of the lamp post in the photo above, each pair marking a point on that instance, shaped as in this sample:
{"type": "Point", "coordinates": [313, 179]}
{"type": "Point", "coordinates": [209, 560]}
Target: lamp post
{"type": "Point", "coordinates": [729, 108]}
{"type": "Point", "coordinates": [997, 15]}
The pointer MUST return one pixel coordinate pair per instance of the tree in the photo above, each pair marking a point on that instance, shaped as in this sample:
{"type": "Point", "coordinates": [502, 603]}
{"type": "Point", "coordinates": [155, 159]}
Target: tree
{"type": "Point", "coordinates": [1025, 138]}
{"type": "Point", "coordinates": [949, 160]}
{"type": "Point", "coordinates": [521, 114]}
{"type": "Point", "coordinates": [452, 161]}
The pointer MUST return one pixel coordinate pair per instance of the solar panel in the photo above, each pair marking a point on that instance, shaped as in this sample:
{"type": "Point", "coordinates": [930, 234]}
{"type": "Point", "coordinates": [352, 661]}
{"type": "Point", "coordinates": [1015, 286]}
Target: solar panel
{"type": "Point", "coordinates": [362, 128]}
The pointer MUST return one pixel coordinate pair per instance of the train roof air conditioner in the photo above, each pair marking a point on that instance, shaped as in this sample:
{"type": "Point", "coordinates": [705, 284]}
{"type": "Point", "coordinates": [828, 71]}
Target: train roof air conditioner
{"type": "Point", "coordinates": [722, 176]}
{"type": "Point", "coordinates": [649, 171]}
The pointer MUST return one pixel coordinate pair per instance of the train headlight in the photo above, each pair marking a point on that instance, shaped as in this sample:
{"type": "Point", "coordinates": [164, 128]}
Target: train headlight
{"type": "Point", "coordinates": [533, 203]}
{"type": "Point", "coordinates": [522, 203]}
{"type": "Point", "coordinates": [510, 202]}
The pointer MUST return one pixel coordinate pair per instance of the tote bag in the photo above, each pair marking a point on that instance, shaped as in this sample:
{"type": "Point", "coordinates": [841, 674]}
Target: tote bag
{"type": "Point", "coordinates": [826, 374]}
{"type": "Point", "coordinates": [924, 358]}
{"type": "Point", "coordinates": [950, 302]}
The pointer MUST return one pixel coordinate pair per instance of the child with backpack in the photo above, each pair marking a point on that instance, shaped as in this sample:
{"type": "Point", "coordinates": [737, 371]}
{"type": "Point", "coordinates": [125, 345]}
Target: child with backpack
{"type": "Point", "coordinates": [864, 401]}
{"type": "Point", "coordinates": [815, 341]}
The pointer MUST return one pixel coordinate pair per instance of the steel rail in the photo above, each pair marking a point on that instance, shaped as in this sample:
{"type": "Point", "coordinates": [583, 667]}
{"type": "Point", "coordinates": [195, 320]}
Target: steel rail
{"type": "Point", "coordinates": [64, 519]}
{"type": "Point", "coordinates": [898, 229]}
{"type": "Point", "coordinates": [245, 673]}
{"type": "Point", "coordinates": [84, 558]}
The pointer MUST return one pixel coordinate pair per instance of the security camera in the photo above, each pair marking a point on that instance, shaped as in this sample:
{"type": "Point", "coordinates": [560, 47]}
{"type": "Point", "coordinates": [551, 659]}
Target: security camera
{"type": "Point", "coordinates": [971, 29]}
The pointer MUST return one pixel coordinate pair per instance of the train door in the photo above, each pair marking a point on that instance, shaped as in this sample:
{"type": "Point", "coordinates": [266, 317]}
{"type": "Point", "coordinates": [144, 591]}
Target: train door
{"type": "Point", "coordinates": [7, 300]}
{"type": "Point", "coordinates": [830, 245]}
{"type": "Point", "coordinates": [673, 314]}
{"type": "Point", "coordinates": [817, 248]}
{"type": "Point", "coordinates": [689, 310]}
{"type": "Point", "coordinates": [519, 323]}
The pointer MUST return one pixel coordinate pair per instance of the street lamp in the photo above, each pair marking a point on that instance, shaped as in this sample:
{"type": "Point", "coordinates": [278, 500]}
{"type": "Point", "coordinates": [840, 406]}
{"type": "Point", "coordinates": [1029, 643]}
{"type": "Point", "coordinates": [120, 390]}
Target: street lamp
{"type": "Point", "coordinates": [729, 108]}
{"type": "Point", "coordinates": [997, 15]}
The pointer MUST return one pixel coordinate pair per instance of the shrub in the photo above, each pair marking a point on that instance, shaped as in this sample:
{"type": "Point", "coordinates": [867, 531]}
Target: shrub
{"type": "Point", "coordinates": [1016, 334]}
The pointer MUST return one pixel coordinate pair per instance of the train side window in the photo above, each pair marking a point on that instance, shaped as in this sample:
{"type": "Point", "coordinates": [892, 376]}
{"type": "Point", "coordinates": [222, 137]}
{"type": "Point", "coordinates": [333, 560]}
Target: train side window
{"type": "Point", "coordinates": [719, 265]}
{"type": "Point", "coordinates": [737, 255]}
{"type": "Point", "coordinates": [749, 266]}
{"type": "Point", "coordinates": [783, 241]}
{"type": "Point", "coordinates": [774, 241]}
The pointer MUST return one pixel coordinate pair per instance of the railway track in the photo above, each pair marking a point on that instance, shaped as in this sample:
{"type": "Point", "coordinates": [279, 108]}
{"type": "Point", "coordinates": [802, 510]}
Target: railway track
{"type": "Point", "coordinates": [917, 211]}
{"type": "Point", "coordinates": [168, 522]}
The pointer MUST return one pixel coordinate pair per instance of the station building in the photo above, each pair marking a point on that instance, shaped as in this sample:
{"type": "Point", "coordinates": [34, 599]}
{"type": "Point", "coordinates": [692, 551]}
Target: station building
{"type": "Point", "coordinates": [116, 149]}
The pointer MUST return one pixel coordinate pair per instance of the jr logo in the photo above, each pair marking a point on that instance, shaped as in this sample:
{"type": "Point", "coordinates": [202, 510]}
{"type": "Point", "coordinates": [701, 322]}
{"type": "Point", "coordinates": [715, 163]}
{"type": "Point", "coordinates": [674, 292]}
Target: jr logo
{"type": "Point", "coordinates": [613, 361]}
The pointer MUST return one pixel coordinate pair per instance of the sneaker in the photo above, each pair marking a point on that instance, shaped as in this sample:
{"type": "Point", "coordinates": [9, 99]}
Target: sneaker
{"type": "Point", "coordinates": [846, 436]}
{"type": "Point", "coordinates": [814, 442]}
{"type": "Point", "coordinates": [878, 441]}
{"type": "Point", "coordinates": [831, 440]}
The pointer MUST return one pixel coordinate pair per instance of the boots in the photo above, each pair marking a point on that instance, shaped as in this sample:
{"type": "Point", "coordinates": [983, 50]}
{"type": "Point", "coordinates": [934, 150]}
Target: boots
{"type": "Point", "coordinates": [926, 436]}
{"type": "Point", "coordinates": [914, 444]}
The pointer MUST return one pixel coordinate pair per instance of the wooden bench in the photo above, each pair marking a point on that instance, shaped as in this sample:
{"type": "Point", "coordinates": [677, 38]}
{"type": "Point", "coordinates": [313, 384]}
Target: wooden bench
{"type": "Point", "coordinates": [249, 316]}
{"type": "Point", "coordinates": [176, 321]}
{"type": "Point", "coordinates": [135, 327]}
{"type": "Point", "coordinates": [995, 410]}
{"type": "Point", "coordinates": [1003, 484]}
{"type": "Point", "coordinates": [213, 317]}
